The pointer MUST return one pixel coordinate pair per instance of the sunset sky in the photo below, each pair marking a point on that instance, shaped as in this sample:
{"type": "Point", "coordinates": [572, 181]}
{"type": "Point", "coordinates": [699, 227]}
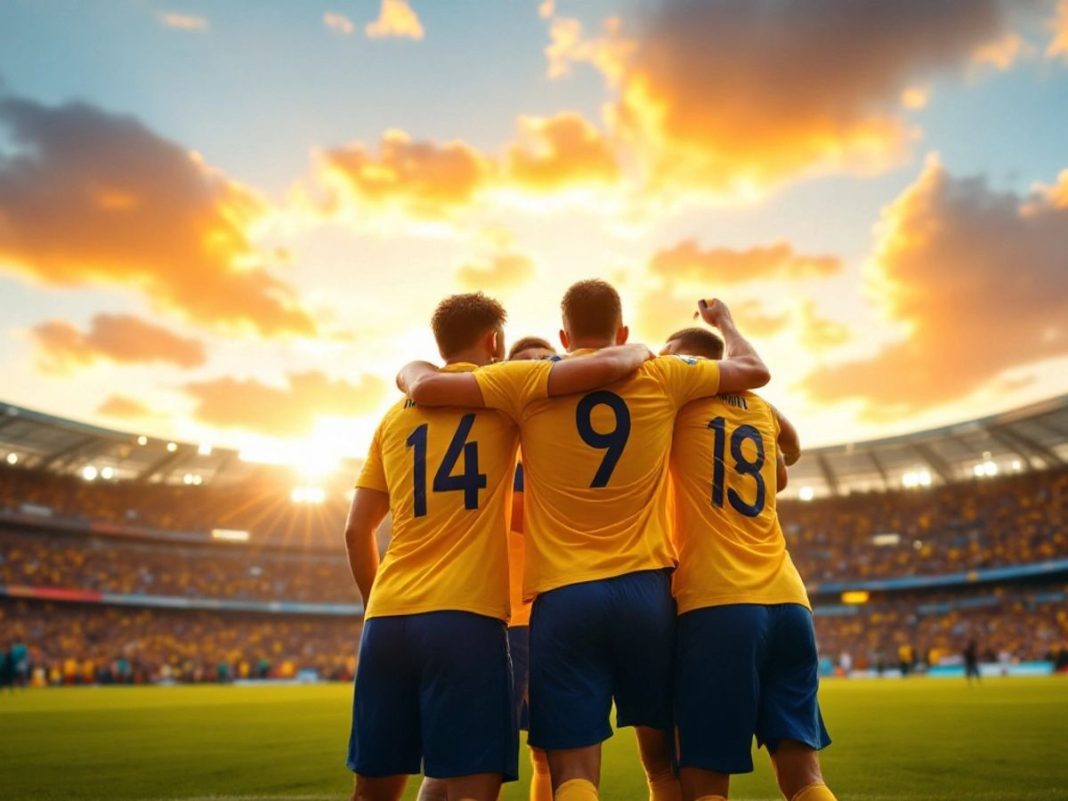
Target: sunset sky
{"type": "Point", "coordinates": [230, 222]}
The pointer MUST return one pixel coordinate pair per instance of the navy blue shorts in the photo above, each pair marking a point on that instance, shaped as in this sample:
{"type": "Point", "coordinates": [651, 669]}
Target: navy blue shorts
{"type": "Point", "coordinates": [745, 670]}
{"type": "Point", "coordinates": [595, 642]}
{"type": "Point", "coordinates": [519, 650]}
{"type": "Point", "coordinates": [433, 691]}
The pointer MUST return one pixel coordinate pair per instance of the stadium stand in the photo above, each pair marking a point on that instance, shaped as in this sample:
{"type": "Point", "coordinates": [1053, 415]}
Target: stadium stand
{"type": "Point", "coordinates": [129, 559]}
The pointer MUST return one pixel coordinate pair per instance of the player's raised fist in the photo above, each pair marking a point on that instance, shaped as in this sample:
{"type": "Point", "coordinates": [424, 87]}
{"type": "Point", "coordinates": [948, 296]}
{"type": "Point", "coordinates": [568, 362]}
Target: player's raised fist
{"type": "Point", "coordinates": [714, 311]}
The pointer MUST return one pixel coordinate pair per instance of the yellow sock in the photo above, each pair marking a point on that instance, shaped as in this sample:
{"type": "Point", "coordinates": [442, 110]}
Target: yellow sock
{"type": "Point", "coordinates": [664, 786]}
{"type": "Point", "coordinates": [576, 790]}
{"type": "Point", "coordinates": [541, 786]}
{"type": "Point", "coordinates": [814, 792]}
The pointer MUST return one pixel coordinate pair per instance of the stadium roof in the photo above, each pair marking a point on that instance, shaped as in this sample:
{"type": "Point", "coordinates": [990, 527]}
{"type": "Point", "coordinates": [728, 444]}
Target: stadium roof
{"type": "Point", "coordinates": [1030, 438]}
{"type": "Point", "coordinates": [1033, 437]}
{"type": "Point", "coordinates": [41, 441]}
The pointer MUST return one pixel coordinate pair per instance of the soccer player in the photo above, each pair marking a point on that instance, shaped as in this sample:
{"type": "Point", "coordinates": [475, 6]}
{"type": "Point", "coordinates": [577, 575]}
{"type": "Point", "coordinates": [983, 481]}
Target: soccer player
{"type": "Point", "coordinates": [746, 660]}
{"type": "Point", "coordinates": [433, 684]}
{"type": "Point", "coordinates": [519, 622]}
{"type": "Point", "coordinates": [598, 554]}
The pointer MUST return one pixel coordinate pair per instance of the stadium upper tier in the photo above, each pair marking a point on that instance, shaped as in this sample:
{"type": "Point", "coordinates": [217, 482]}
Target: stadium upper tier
{"type": "Point", "coordinates": [1032, 437]}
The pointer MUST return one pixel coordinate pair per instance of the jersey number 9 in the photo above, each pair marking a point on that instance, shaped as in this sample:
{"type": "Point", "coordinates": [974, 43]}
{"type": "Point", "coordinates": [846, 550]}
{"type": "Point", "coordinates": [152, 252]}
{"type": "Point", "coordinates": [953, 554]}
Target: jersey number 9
{"type": "Point", "coordinates": [611, 442]}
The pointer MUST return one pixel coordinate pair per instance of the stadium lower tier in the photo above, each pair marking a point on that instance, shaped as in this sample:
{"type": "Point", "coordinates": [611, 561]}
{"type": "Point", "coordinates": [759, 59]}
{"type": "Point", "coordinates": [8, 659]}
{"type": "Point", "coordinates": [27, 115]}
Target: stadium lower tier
{"type": "Point", "coordinates": [74, 643]}
{"type": "Point", "coordinates": [90, 643]}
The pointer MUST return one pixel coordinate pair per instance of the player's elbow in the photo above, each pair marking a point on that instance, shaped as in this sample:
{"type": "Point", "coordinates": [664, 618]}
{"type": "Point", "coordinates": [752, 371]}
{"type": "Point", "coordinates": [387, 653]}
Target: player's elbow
{"type": "Point", "coordinates": [425, 390]}
{"type": "Point", "coordinates": [758, 374]}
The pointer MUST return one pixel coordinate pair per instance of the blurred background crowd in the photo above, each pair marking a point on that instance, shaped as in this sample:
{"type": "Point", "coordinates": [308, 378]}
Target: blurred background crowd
{"type": "Point", "coordinates": [65, 542]}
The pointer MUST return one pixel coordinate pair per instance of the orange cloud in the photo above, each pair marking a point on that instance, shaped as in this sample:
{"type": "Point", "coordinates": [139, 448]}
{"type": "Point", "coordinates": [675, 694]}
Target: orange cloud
{"type": "Point", "coordinates": [395, 18]}
{"type": "Point", "coordinates": [1058, 46]}
{"type": "Point", "coordinates": [182, 22]}
{"type": "Point", "coordinates": [423, 179]}
{"type": "Point", "coordinates": [504, 271]}
{"type": "Point", "coordinates": [123, 408]}
{"type": "Point", "coordinates": [338, 22]}
{"type": "Point", "coordinates": [120, 338]}
{"type": "Point", "coordinates": [557, 152]}
{"type": "Point", "coordinates": [93, 198]}
{"type": "Point", "coordinates": [290, 410]}
{"type": "Point", "coordinates": [979, 281]}
{"type": "Point", "coordinates": [1001, 53]}
{"type": "Point", "coordinates": [687, 261]}
{"type": "Point", "coordinates": [609, 53]}
{"type": "Point", "coordinates": [731, 99]}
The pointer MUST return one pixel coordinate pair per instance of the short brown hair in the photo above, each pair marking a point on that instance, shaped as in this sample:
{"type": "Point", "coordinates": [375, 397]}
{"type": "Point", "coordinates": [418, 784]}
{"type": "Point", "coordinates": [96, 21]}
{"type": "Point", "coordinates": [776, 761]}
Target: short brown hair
{"type": "Point", "coordinates": [592, 309]}
{"type": "Point", "coordinates": [698, 342]}
{"type": "Point", "coordinates": [529, 342]}
{"type": "Point", "coordinates": [460, 320]}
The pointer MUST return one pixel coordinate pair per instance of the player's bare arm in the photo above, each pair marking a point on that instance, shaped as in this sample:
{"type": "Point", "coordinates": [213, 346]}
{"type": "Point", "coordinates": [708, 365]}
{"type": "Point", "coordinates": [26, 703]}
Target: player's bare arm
{"type": "Point", "coordinates": [741, 368]}
{"type": "Point", "coordinates": [782, 476]}
{"type": "Point", "coordinates": [789, 442]}
{"type": "Point", "coordinates": [369, 508]}
{"type": "Point", "coordinates": [428, 386]}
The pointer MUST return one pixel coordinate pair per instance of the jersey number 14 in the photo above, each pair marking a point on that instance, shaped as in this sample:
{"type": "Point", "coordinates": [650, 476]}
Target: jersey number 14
{"type": "Point", "coordinates": [469, 482]}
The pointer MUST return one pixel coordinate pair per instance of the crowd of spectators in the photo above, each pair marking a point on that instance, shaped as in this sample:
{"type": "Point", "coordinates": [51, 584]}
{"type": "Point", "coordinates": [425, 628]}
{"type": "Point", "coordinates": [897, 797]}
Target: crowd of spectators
{"type": "Point", "coordinates": [90, 644]}
{"type": "Point", "coordinates": [1015, 519]}
{"type": "Point", "coordinates": [212, 570]}
{"type": "Point", "coordinates": [1008, 624]}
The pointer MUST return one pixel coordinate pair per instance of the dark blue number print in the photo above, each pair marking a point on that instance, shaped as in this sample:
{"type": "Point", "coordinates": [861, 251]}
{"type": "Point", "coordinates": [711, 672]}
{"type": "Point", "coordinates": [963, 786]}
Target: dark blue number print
{"type": "Point", "coordinates": [612, 442]}
{"type": "Point", "coordinates": [417, 440]}
{"type": "Point", "coordinates": [470, 480]}
{"type": "Point", "coordinates": [742, 466]}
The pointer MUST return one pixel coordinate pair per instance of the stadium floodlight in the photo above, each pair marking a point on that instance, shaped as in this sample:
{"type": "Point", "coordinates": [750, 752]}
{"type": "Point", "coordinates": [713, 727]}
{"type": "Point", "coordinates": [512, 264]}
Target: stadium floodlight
{"type": "Point", "coordinates": [107, 473]}
{"type": "Point", "coordinates": [806, 494]}
{"type": "Point", "coordinates": [919, 477]}
{"type": "Point", "coordinates": [204, 449]}
{"type": "Point", "coordinates": [985, 469]}
{"type": "Point", "coordinates": [142, 440]}
{"type": "Point", "coordinates": [886, 538]}
{"type": "Point", "coordinates": [12, 458]}
{"type": "Point", "coordinates": [89, 473]}
{"type": "Point", "coordinates": [172, 447]}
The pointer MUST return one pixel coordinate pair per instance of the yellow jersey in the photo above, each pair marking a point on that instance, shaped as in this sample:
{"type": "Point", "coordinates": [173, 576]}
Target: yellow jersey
{"type": "Point", "coordinates": [516, 558]}
{"type": "Point", "coordinates": [730, 545]}
{"type": "Point", "coordinates": [596, 467]}
{"type": "Point", "coordinates": [448, 473]}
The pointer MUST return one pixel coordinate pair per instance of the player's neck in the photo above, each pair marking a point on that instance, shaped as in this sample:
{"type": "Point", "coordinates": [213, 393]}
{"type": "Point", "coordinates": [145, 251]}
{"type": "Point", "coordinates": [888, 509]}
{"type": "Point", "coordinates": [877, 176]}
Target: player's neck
{"type": "Point", "coordinates": [474, 356]}
{"type": "Point", "coordinates": [591, 343]}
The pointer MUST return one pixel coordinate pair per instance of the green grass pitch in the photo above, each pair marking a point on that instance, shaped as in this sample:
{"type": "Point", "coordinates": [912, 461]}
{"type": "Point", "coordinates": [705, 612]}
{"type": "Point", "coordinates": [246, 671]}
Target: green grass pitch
{"type": "Point", "coordinates": [894, 740]}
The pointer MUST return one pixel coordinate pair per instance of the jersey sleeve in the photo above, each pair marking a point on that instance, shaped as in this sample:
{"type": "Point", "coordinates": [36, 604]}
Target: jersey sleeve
{"type": "Point", "coordinates": [687, 378]}
{"type": "Point", "coordinates": [373, 474]}
{"type": "Point", "coordinates": [510, 386]}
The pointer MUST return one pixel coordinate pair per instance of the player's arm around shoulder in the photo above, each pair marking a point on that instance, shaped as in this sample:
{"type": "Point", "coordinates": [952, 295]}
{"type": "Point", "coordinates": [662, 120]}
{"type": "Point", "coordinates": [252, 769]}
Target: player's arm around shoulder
{"type": "Point", "coordinates": [606, 366]}
{"type": "Point", "coordinates": [742, 368]}
{"type": "Point", "coordinates": [427, 385]}
{"type": "Point", "coordinates": [503, 386]}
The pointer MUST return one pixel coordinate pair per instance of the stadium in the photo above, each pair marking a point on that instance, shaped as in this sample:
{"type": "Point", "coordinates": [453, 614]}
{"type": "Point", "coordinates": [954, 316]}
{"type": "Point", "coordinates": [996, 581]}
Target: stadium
{"type": "Point", "coordinates": [543, 400]}
{"type": "Point", "coordinates": [130, 560]}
